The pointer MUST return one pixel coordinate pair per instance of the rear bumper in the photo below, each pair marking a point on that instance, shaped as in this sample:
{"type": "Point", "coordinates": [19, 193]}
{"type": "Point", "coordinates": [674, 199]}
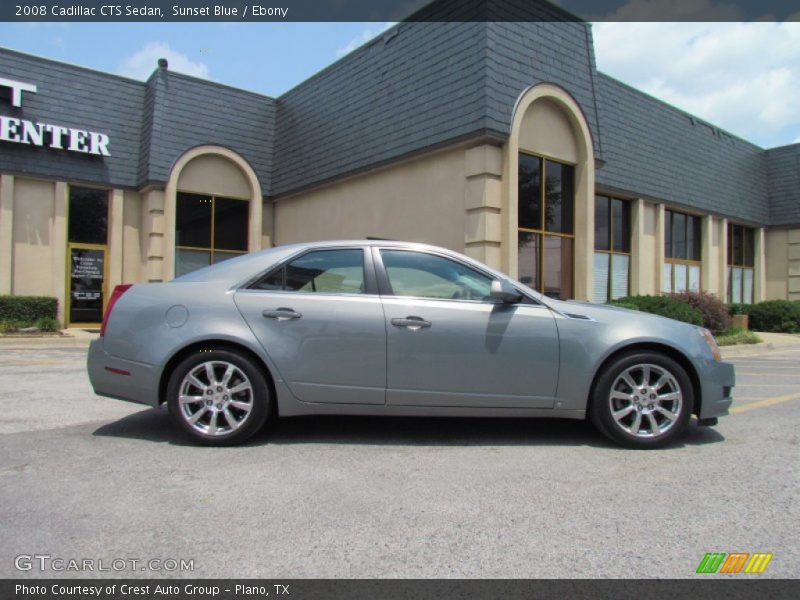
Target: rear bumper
{"type": "Point", "coordinates": [717, 380]}
{"type": "Point", "coordinates": [121, 379]}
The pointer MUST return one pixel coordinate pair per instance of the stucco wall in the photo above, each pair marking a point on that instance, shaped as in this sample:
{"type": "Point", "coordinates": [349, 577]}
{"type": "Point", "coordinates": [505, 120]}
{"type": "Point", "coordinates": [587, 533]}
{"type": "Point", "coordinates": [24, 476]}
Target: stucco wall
{"type": "Point", "coordinates": [211, 174]}
{"type": "Point", "coordinates": [777, 264]}
{"type": "Point", "coordinates": [33, 254]}
{"type": "Point", "coordinates": [546, 131]}
{"type": "Point", "coordinates": [420, 200]}
{"type": "Point", "coordinates": [133, 257]}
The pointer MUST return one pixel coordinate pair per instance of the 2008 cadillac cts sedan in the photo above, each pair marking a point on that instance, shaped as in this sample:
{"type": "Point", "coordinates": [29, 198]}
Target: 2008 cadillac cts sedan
{"type": "Point", "coordinates": [389, 328]}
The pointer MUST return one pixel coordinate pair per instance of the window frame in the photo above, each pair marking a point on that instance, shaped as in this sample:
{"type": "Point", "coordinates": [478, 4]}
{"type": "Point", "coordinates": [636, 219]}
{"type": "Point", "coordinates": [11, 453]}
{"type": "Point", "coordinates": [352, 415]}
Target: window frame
{"type": "Point", "coordinates": [212, 248]}
{"type": "Point", "coordinates": [544, 232]}
{"type": "Point", "coordinates": [611, 252]}
{"type": "Point", "coordinates": [91, 188]}
{"type": "Point", "coordinates": [687, 262]}
{"type": "Point", "coordinates": [370, 283]}
{"type": "Point", "coordinates": [385, 287]}
{"type": "Point", "coordinates": [732, 264]}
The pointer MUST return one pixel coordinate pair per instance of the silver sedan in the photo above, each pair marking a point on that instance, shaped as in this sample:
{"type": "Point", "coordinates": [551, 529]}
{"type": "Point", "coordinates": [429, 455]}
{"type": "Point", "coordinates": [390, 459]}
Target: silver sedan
{"type": "Point", "coordinates": [389, 328]}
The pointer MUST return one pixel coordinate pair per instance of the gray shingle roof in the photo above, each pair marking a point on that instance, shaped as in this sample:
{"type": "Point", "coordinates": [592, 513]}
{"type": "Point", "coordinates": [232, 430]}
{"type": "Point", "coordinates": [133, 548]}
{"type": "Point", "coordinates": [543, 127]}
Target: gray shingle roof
{"type": "Point", "coordinates": [523, 54]}
{"type": "Point", "coordinates": [74, 97]}
{"type": "Point", "coordinates": [149, 124]}
{"type": "Point", "coordinates": [654, 150]}
{"type": "Point", "coordinates": [783, 174]}
{"type": "Point", "coordinates": [417, 86]}
{"type": "Point", "coordinates": [186, 112]}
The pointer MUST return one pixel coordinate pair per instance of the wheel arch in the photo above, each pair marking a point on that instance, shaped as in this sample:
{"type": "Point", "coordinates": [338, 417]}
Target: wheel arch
{"type": "Point", "coordinates": [665, 349]}
{"type": "Point", "coordinates": [216, 344]}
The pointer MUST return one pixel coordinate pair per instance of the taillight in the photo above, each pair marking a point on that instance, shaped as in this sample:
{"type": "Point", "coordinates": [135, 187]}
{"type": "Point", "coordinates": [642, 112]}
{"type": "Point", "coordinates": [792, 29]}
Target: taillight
{"type": "Point", "coordinates": [118, 291]}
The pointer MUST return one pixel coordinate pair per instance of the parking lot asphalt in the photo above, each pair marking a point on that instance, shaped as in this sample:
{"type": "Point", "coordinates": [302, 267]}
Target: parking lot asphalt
{"type": "Point", "coordinates": [83, 477]}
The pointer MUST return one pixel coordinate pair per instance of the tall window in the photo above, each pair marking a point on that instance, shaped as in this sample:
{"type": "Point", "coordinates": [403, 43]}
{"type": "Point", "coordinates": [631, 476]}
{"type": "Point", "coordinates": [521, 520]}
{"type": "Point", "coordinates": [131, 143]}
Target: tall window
{"type": "Point", "coordinates": [612, 248]}
{"type": "Point", "coordinates": [546, 235]}
{"type": "Point", "coordinates": [682, 252]}
{"type": "Point", "coordinates": [88, 216]}
{"type": "Point", "coordinates": [87, 236]}
{"type": "Point", "coordinates": [208, 230]}
{"type": "Point", "coordinates": [741, 260]}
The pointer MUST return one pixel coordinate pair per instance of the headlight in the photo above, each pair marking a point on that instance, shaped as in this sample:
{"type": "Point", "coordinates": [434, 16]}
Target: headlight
{"type": "Point", "coordinates": [712, 343]}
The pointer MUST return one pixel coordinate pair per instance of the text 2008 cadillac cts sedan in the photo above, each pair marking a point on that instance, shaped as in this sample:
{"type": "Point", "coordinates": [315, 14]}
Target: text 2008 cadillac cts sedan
{"type": "Point", "coordinates": [389, 328]}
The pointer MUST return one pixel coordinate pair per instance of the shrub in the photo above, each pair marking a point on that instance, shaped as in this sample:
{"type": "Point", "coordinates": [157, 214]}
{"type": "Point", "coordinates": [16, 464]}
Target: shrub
{"type": "Point", "coordinates": [27, 308]}
{"type": "Point", "coordinates": [738, 309]}
{"type": "Point", "coordinates": [735, 337]}
{"type": "Point", "coordinates": [48, 324]}
{"type": "Point", "coordinates": [713, 310]}
{"type": "Point", "coordinates": [620, 304]}
{"type": "Point", "coordinates": [780, 316]}
{"type": "Point", "coordinates": [10, 326]}
{"type": "Point", "coordinates": [664, 306]}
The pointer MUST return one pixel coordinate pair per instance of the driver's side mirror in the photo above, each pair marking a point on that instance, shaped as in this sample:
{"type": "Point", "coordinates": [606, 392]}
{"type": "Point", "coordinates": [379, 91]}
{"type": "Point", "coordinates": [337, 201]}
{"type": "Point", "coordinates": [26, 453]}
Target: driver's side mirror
{"type": "Point", "coordinates": [503, 291]}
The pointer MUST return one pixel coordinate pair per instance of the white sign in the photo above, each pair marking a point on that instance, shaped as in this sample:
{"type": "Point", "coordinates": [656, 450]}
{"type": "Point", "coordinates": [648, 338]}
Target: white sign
{"type": "Point", "coordinates": [22, 131]}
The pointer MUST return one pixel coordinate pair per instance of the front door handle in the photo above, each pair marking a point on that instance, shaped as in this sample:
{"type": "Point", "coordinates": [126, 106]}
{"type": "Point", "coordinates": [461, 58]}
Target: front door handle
{"type": "Point", "coordinates": [281, 314]}
{"type": "Point", "coordinates": [412, 323]}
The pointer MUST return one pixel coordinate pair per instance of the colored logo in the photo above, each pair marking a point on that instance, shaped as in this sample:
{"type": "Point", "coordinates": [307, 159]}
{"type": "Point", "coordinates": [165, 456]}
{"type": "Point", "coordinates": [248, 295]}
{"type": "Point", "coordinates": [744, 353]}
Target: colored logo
{"type": "Point", "coordinates": [735, 562]}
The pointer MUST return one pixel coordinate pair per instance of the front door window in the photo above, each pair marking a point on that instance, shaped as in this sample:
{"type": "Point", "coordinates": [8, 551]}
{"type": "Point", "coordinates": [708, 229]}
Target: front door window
{"type": "Point", "coordinates": [87, 235]}
{"type": "Point", "coordinates": [546, 225]}
{"type": "Point", "coordinates": [208, 230]}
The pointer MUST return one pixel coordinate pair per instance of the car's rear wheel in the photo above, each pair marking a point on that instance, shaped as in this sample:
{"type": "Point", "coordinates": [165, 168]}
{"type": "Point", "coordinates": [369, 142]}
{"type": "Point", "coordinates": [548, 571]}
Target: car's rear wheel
{"type": "Point", "coordinates": [219, 397]}
{"type": "Point", "coordinates": [642, 400]}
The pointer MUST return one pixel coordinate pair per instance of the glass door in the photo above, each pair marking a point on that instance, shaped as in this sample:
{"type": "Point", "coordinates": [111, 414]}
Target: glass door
{"type": "Point", "coordinates": [87, 284]}
{"type": "Point", "coordinates": [87, 253]}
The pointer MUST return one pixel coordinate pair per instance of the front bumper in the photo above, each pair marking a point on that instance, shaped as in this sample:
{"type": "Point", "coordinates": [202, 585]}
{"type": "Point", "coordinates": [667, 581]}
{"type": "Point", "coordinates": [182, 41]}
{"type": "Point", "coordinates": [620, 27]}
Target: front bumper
{"type": "Point", "coordinates": [717, 380]}
{"type": "Point", "coordinates": [121, 379]}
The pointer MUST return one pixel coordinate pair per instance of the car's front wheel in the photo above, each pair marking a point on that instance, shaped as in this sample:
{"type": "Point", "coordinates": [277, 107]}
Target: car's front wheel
{"type": "Point", "coordinates": [642, 400]}
{"type": "Point", "coordinates": [219, 397]}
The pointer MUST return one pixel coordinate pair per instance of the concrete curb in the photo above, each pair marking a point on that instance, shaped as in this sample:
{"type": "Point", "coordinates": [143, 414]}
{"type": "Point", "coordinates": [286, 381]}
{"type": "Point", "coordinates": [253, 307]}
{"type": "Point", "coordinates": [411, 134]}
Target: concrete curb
{"type": "Point", "coordinates": [774, 342]}
{"type": "Point", "coordinates": [753, 350]}
{"type": "Point", "coordinates": [71, 338]}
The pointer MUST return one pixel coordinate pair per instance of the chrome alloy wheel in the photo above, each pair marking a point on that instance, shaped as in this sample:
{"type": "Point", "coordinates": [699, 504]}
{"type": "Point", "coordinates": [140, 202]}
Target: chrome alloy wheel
{"type": "Point", "coordinates": [646, 400]}
{"type": "Point", "coordinates": [215, 398]}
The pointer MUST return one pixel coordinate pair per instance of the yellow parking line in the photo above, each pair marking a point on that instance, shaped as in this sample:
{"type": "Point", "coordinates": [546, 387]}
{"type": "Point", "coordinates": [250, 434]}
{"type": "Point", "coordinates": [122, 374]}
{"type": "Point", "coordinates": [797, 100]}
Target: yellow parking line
{"type": "Point", "coordinates": [766, 402]}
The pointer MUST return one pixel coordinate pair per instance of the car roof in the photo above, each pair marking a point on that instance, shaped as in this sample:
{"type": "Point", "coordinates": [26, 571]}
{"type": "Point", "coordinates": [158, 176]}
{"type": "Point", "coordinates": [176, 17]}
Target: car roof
{"type": "Point", "coordinates": [247, 265]}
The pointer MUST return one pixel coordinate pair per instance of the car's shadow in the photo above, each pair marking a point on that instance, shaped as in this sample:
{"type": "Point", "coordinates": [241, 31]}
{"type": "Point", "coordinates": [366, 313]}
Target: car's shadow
{"type": "Point", "coordinates": [155, 426]}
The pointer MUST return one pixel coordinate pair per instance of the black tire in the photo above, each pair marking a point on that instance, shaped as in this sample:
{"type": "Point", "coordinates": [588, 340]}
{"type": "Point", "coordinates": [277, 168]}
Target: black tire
{"type": "Point", "coordinates": [619, 431]}
{"type": "Point", "coordinates": [244, 370]}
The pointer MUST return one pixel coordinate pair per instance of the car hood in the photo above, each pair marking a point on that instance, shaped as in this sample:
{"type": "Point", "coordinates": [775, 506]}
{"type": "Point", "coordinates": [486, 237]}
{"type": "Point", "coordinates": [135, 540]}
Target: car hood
{"type": "Point", "coordinates": [605, 313]}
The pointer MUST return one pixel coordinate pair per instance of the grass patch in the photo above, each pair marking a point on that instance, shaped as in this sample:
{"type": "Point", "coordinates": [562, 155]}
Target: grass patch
{"type": "Point", "coordinates": [734, 337]}
{"type": "Point", "coordinates": [45, 325]}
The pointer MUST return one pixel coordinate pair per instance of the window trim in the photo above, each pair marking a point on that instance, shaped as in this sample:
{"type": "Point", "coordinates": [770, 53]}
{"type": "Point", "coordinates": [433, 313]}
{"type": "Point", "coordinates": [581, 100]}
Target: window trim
{"type": "Point", "coordinates": [681, 261]}
{"type": "Point", "coordinates": [544, 232]}
{"type": "Point", "coordinates": [611, 252]}
{"type": "Point", "coordinates": [211, 249]}
{"type": "Point", "coordinates": [732, 264]}
{"type": "Point", "coordinates": [108, 191]}
{"type": "Point", "coordinates": [370, 283]}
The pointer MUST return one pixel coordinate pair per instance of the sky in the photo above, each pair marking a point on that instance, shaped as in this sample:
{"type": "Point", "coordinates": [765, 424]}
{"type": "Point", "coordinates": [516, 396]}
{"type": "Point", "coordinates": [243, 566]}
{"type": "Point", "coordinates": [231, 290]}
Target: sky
{"type": "Point", "coordinates": [743, 77]}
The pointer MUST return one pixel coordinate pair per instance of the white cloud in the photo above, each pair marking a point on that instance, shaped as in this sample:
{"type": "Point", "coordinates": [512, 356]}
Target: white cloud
{"type": "Point", "coordinates": [141, 63]}
{"type": "Point", "coordinates": [362, 38]}
{"type": "Point", "coordinates": [743, 77]}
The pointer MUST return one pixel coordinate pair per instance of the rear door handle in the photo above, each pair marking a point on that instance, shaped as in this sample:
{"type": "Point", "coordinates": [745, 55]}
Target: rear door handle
{"type": "Point", "coordinates": [281, 314]}
{"type": "Point", "coordinates": [412, 323]}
